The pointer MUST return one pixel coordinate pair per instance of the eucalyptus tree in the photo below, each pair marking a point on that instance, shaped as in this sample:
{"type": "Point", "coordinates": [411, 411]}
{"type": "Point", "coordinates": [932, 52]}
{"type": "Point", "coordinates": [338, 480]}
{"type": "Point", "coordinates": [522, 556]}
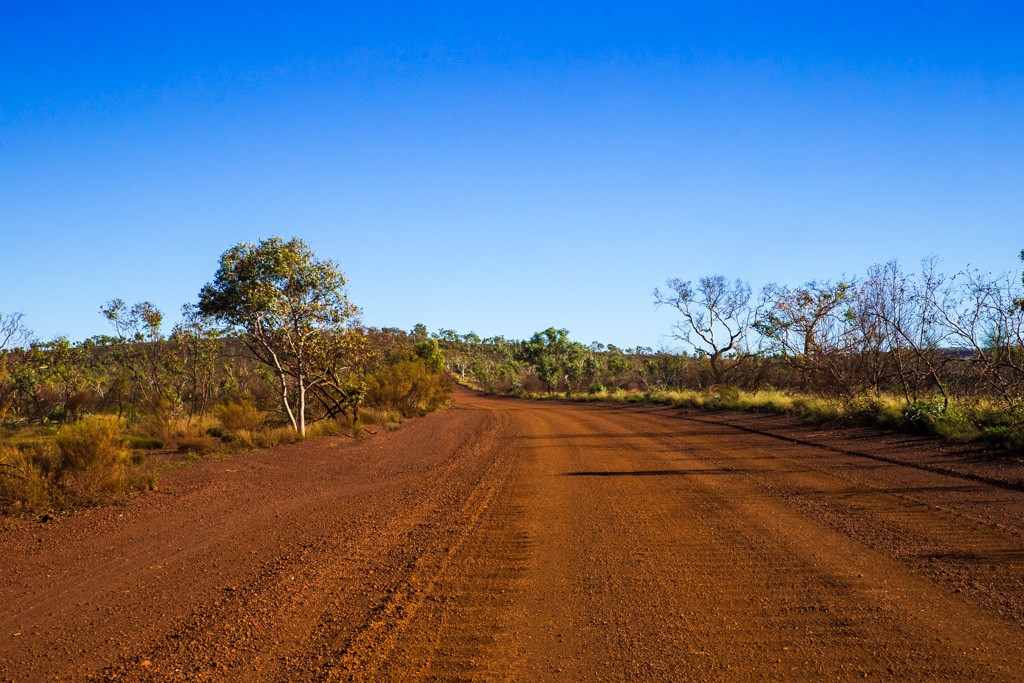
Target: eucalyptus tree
{"type": "Point", "coordinates": [292, 312]}
{"type": "Point", "coordinates": [555, 358]}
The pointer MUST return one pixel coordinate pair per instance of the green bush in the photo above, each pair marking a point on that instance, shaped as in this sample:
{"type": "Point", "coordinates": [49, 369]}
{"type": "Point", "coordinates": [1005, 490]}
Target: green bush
{"type": "Point", "coordinates": [920, 417]}
{"type": "Point", "coordinates": [409, 387]}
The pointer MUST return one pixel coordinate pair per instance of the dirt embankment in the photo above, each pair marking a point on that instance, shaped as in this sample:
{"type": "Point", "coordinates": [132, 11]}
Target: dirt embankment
{"type": "Point", "coordinates": [514, 540]}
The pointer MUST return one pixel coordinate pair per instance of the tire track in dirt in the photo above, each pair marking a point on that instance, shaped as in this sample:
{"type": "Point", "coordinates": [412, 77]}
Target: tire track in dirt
{"type": "Point", "coordinates": [327, 587]}
{"type": "Point", "coordinates": [959, 473]}
{"type": "Point", "coordinates": [401, 639]}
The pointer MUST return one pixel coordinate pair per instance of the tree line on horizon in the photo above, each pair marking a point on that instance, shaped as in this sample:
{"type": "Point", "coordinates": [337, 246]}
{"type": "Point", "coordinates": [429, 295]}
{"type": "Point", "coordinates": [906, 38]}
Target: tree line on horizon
{"type": "Point", "coordinates": [275, 328]}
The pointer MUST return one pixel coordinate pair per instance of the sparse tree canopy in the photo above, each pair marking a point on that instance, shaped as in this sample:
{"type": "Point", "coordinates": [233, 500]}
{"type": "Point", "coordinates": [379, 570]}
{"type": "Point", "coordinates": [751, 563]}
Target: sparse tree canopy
{"type": "Point", "coordinates": [291, 310]}
{"type": "Point", "coordinates": [717, 317]}
{"type": "Point", "coordinates": [13, 332]}
{"type": "Point", "coordinates": [140, 349]}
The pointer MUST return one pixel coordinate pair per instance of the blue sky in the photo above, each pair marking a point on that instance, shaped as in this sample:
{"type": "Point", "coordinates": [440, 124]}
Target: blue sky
{"type": "Point", "coordinates": [501, 170]}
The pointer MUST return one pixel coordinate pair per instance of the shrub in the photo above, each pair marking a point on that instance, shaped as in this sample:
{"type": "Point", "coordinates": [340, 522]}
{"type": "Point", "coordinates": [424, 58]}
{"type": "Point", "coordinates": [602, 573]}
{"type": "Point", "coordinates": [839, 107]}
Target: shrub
{"type": "Point", "coordinates": [920, 416]}
{"type": "Point", "coordinates": [237, 414]}
{"type": "Point", "coordinates": [379, 416]}
{"type": "Point", "coordinates": [596, 388]}
{"type": "Point", "coordinates": [240, 440]}
{"type": "Point", "coordinates": [93, 443]}
{"type": "Point", "coordinates": [729, 397]}
{"type": "Point", "coordinates": [275, 437]}
{"type": "Point", "coordinates": [409, 387]}
{"type": "Point", "coordinates": [24, 482]}
{"type": "Point", "coordinates": [158, 423]}
{"type": "Point", "coordinates": [1004, 436]}
{"type": "Point", "coordinates": [93, 450]}
{"type": "Point", "coordinates": [44, 454]}
{"type": "Point", "coordinates": [146, 443]}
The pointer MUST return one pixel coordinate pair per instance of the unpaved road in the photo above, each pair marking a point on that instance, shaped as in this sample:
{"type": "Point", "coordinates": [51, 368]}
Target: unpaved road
{"type": "Point", "coordinates": [512, 540]}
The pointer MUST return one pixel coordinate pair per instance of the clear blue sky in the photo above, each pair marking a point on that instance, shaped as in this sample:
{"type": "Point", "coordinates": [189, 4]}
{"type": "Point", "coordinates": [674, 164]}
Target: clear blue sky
{"type": "Point", "coordinates": [501, 170]}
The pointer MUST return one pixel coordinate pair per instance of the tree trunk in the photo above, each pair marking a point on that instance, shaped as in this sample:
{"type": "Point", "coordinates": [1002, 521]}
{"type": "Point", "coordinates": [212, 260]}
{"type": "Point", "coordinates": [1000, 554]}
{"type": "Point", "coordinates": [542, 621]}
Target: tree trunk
{"type": "Point", "coordinates": [284, 400]}
{"type": "Point", "coordinates": [716, 370]}
{"type": "Point", "coordinates": [302, 406]}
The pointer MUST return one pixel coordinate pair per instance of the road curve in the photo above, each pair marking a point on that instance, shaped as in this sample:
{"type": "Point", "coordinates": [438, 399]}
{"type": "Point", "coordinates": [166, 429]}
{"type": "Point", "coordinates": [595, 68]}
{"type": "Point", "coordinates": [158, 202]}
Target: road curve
{"type": "Point", "coordinates": [518, 540]}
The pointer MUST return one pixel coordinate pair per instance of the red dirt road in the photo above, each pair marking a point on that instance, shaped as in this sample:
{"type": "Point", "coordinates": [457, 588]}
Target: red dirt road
{"type": "Point", "coordinates": [513, 540]}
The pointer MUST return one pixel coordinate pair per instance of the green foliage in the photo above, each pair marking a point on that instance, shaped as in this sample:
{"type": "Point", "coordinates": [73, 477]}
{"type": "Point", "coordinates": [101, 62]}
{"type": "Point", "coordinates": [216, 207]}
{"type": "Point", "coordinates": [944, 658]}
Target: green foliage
{"type": "Point", "coordinates": [729, 396]}
{"type": "Point", "coordinates": [555, 358]}
{"type": "Point", "coordinates": [922, 416]}
{"type": "Point", "coordinates": [277, 288]}
{"type": "Point", "coordinates": [430, 352]}
{"type": "Point", "coordinates": [142, 355]}
{"type": "Point", "coordinates": [409, 387]}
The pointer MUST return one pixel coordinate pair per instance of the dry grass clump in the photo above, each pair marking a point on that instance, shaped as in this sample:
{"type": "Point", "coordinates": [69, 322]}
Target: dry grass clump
{"type": "Point", "coordinates": [144, 443]}
{"type": "Point", "coordinates": [24, 481]}
{"type": "Point", "coordinates": [239, 414]}
{"type": "Point", "coordinates": [74, 465]}
{"type": "Point", "coordinates": [167, 427]}
{"type": "Point", "coordinates": [268, 438]}
{"type": "Point", "coordinates": [93, 443]}
{"type": "Point", "coordinates": [93, 453]}
{"type": "Point", "coordinates": [379, 416]}
{"type": "Point", "coordinates": [202, 444]}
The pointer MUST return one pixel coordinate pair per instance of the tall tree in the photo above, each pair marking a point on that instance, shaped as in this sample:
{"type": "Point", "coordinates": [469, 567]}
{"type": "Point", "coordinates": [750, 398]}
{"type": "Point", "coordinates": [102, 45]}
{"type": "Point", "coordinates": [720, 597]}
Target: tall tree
{"type": "Point", "coordinates": [290, 309]}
